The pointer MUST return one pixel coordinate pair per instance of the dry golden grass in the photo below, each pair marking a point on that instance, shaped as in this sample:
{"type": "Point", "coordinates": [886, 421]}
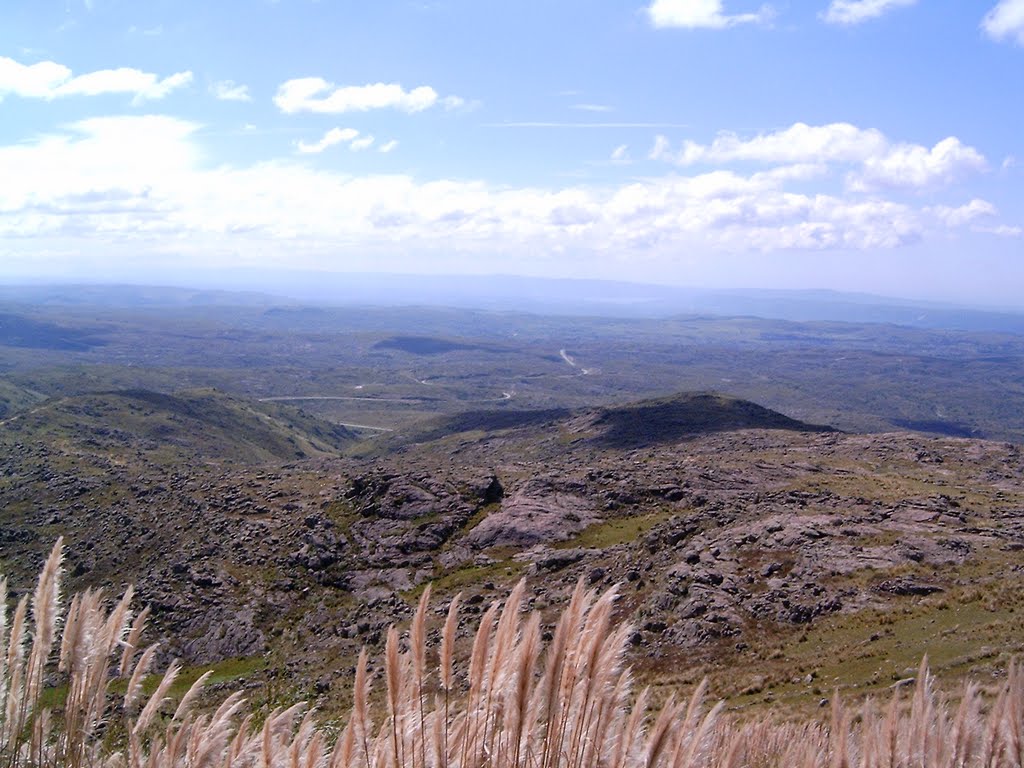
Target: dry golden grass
{"type": "Point", "coordinates": [569, 705]}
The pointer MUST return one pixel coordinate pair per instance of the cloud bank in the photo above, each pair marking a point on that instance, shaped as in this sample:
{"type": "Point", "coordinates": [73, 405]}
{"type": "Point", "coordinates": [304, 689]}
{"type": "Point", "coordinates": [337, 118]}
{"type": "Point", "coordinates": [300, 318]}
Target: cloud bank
{"type": "Point", "coordinates": [139, 182]}
{"type": "Point", "coordinates": [876, 161]}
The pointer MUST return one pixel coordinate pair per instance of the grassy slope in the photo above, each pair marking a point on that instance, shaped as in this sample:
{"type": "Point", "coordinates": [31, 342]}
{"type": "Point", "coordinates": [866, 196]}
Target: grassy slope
{"type": "Point", "coordinates": [199, 422]}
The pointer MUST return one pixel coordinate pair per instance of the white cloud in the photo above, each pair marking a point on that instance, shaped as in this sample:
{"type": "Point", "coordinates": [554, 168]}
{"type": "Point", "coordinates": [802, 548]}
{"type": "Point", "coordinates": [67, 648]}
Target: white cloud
{"type": "Point", "coordinates": [314, 94]}
{"type": "Point", "coordinates": [140, 183]}
{"type": "Point", "coordinates": [329, 139]}
{"type": "Point", "coordinates": [964, 214]}
{"type": "Point", "coordinates": [879, 163]}
{"type": "Point", "coordinates": [592, 107]}
{"type": "Point", "coordinates": [707, 14]}
{"type": "Point", "coordinates": [387, 146]}
{"type": "Point", "coordinates": [662, 149]}
{"type": "Point", "coordinates": [229, 90]}
{"type": "Point", "coordinates": [911, 165]}
{"type": "Point", "coordinates": [620, 155]}
{"type": "Point", "coordinates": [835, 142]}
{"type": "Point", "coordinates": [102, 164]}
{"type": "Point", "coordinates": [363, 142]}
{"type": "Point", "coordinates": [968, 215]}
{"type": "Point", "coordinates": [1002, 230]}
{"type": "Point", "coordinates": [455, 102]}
{"type": "Point", "coordinates": [851, 12]}
{"type": "Point", "coordinates": [49, 80]}
{"type": "Point", "coordinates": [1006, 20]}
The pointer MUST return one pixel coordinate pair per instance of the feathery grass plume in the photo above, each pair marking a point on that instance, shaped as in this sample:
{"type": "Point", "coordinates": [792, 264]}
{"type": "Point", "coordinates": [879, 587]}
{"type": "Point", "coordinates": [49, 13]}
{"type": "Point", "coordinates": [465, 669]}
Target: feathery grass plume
{"type": "Point", "coordinates": [569, 708]}
{"type": "Point", "coordinates": [157, 700]}
{"type": "Point", "coordinates": [131, 641]}
{"type": "Point", "coordinates": [446, 664]}
{"type": "Point", "coordinates": [116, 626]}
{"type": "Point", "coordinates": [475, 717]}
{"type": "Point", "coordinates": [393, 670]}
{"type": "Point", "coordinates": [134, 688]}
{"type": "Point", "coordinates": [557, 681]}
{"type": "Point", "coordinates": [529, 651]}
{"type": "Point", "coordinates": [16, 640]}
{"type": "Point", "coordinates": [1013, 716]}
{"type": "Point", "coordinates": [447, 652]}
{"type": "Point", "coordinates": [964, 735]}
{"type": "Point", "coordinates": [190, 696]}
{"type": "Point", "coordinates": [45, 614]}
{"type": "Point", "coordinates": [343, 754]}
{"type": "Point", "coordinates": [660, 736]}
{"type": "Point", "coordinates": [418, 652]}
{"type": "Point", "coordinates": [840, 733]}
{"type": "Point", "coordinates": [70, 637]}
{"type": "Point", "coordinates": [497, 669]}
{"type": "Point", "coordinates": [631, 734]}
{"type": "Point", "coordinates": [12, 706]}
{"type": "Point", "coordinates": [3, 641]}
{"type": "Point", "coordinates": [360, 720]}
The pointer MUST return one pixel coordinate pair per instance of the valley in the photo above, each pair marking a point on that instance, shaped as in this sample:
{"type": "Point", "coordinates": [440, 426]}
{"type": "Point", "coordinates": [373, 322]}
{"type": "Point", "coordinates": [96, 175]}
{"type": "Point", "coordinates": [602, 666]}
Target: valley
{"type": "Point", "coordinates": [281, 485]}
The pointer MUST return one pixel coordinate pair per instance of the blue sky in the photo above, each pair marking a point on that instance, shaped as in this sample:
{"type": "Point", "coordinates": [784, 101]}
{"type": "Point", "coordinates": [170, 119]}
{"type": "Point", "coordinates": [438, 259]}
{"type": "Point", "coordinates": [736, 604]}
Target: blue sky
{"type": "Point", "coordinates": [870, 145]}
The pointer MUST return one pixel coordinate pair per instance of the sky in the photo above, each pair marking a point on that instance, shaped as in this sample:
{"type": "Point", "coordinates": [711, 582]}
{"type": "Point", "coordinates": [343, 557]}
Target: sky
{"type": "Point", "coordinates": [863, 145]}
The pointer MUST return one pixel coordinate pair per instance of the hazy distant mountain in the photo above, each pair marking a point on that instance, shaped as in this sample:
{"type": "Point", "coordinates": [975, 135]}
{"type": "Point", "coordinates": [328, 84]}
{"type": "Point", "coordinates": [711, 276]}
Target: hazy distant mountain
{"type": "Point", "coordinates": [526, 294]}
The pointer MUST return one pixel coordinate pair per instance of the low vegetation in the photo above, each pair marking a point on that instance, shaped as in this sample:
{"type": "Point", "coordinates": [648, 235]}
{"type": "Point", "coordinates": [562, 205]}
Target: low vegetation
{"type": "Point", "coordinates": [514, 702]}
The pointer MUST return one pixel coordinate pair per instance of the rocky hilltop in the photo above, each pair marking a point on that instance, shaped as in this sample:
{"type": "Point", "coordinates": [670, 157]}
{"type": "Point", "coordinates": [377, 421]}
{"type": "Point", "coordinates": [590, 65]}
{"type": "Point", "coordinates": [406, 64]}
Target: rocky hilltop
{"type": "Point", "coordinates": [783, 559]}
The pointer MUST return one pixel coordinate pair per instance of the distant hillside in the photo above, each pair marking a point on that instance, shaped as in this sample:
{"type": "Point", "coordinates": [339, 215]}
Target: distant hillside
{"type": "Point", "coordinates": [639, 424]}
{"type": "Point", "coordinates": [14, 398]}
{"type": "Point", "coordinates": [26, 332]}
{"type": "Point", "coordinates": [204, 423]}
{"type": "Point", "coordinates": [73, 295]}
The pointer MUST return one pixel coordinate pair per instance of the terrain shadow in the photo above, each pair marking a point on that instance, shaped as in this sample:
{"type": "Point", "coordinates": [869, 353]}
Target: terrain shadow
{"type": "Point", "coordinates": [488, 421]}
{"type": "Point", "coordinates": [677, 418]}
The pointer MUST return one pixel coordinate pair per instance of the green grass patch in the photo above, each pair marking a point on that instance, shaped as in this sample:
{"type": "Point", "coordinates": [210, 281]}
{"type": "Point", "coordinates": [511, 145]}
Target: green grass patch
{"type": "Point", "coordinates": [619, 530]}
{"type": "Point", "coordinates": [972, 629]}
{"type": "Point", "coordinates": [501, 572]}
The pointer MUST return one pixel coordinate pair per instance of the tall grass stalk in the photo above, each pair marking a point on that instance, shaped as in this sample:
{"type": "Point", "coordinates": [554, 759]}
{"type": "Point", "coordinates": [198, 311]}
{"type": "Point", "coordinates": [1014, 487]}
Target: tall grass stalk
{"type": "Point", "coordinates": [571, 705]}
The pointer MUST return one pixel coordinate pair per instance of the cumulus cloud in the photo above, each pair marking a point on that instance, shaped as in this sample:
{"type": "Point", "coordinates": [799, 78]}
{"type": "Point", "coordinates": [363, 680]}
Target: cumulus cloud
{"type": "Point", "coordinates": [329, 139]}
{"type": "Point", "coordinates": [1006, 20]}
{"type": "Point", "coordinates": [841, 142]}
{"type": "Point", "coordinates": [100, 167]}
{"type": "Point", "coordinates": [49, 80]}
{"type": "Point", "coordinates": [964, 214]}
{"type": "Point", "coordinates": [139, 182]}
{"type": "Point", "coordinates": [969, 214]}
{"type": "Point", "coordinates": [620, 155]}
{"type": "Point", "coordinates": [877, 161]}
{"type": "Point", "coordinates": [912, 165]}
{"type": "Point", "coordinates": [387, 146]}
{"type": "Point", "coordinates": [314, 94]}
{"type": "Point", "coordinates": [229, 90]}
{"type": "Point", "coordinates": [706, 14]}
{"type": "Point", "coordinates": [850, 12]}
